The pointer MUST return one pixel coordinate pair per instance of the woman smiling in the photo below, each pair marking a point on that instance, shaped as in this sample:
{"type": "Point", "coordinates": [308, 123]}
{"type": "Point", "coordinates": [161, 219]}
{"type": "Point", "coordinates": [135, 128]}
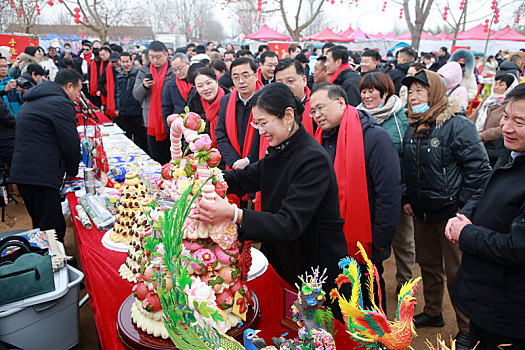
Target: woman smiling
{"type": "Point", "coordinates": [300, 224]}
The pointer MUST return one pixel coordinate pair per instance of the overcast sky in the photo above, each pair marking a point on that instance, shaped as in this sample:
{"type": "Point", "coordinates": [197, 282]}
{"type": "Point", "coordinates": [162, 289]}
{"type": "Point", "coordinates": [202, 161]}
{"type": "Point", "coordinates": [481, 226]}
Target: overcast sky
{"type": "Point", "coordinates": [367, 14]}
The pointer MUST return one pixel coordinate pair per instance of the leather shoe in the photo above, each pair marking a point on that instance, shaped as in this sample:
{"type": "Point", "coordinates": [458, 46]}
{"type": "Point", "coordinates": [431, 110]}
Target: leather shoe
{"type": "Point", "coordinates": [462, 341]}
{"type": "Point", "coordinates": [425, 320]}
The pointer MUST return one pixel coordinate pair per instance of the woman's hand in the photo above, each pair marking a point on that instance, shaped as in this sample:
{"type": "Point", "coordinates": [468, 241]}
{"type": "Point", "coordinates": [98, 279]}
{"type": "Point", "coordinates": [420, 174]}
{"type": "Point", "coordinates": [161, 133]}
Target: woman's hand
{"type": "Point", "coordinates": [213, 213]}
{"type": "Point", "coordinates": [407, 208]}
{"type": "Point", "coordinates": [240, 163]}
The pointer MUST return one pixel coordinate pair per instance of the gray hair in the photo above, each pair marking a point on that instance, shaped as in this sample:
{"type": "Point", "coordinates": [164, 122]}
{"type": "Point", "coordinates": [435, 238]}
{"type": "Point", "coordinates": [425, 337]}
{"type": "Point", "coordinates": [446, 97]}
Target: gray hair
{"type": "Point", "coordinates": [182, 57]}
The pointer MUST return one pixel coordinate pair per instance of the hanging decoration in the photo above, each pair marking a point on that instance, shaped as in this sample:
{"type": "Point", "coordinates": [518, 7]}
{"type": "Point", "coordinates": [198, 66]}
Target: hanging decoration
{"type": "Point", "coordinates": [462, 4]}
{"type": "Point", "coordinates": [518, 18]}
{"type": "Point", "coordinates": [384, 6]}
{"type": "Point", "coordinates": [445, 13]}
{"type": "Point", "coordinates": [401, 13]}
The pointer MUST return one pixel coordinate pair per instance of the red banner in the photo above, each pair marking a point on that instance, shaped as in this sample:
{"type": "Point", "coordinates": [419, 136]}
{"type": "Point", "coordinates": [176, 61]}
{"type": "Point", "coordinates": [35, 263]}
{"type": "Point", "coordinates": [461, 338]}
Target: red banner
{"type": "Point", "coordinates": [279, 48]}
{"type": "Point", "coordinates": [17, 43]}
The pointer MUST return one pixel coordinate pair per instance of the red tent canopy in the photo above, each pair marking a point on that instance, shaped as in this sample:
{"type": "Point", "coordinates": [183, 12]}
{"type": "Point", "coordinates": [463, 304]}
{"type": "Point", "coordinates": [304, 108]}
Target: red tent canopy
{"type": "Point", "coordinates": [358, 34]}
{"type": "Point", "coordinates": [507, 34]}
{"type": "Point", "coordinates": [325, 35]}
{"type": "Point", "coordinates": [347, 32]}
{"type": "Point", "coordinates": [441, 36]}
{"type": "Point", "coordinates": [406, 36]}
{"type": "Point", "coordinates": [375, 36]}
{"type": "Point", "coordinates": [476, 33]}
{"type": "Point", "coordinates": [267, 33]}
{"type": "Point", "coordinates": [389, 36]}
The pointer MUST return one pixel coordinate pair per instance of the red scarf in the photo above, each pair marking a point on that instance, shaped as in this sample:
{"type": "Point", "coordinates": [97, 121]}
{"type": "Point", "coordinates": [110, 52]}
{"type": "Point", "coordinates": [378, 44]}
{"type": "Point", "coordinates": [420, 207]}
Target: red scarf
{"type": "Point", "coordinates": [87, 57]}
{"type": "Point", "coordinates": [211, 110]}
{"type": "Point", "coordinates": [155, 121]}
{"type": "Point", "coordinates": [184, 88]}
{"type": "Point", "coordinates": [308, 121]}
{"type": "Point", "coordinates": [231, 125]}
{"type": "Point", "coordinates": [338, 71]}
{"type": "Point", "coordinates": [110, 89]}
{"type": "Point", "coordinates": [231, 131]}
{"type": "Point", "coordinates": [93, 78]}
{"type": "Point", "coordinates": [350, 169]}
{"type": "Point", "coordinates": [259, 75]}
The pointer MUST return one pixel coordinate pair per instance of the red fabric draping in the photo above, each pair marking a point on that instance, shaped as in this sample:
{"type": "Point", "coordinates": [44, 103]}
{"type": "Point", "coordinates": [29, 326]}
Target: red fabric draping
{"type": "Point", "coordinates": [350, 169]}
{"type": "Point", "coordinates": [155, 121]}
{"type": "Point", "coordinates": [107, 290]}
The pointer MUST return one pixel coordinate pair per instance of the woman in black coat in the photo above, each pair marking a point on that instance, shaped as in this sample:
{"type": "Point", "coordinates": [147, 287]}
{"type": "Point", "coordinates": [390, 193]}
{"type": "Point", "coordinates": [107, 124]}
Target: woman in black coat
{"type": "Point", "coordinates": [300, 226]}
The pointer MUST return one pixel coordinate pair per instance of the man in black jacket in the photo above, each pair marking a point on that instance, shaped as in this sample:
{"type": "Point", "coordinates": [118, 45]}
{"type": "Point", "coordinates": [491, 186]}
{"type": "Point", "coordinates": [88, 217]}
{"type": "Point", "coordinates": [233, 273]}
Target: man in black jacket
{"type": "Point", "coordinates": [383, 175]}
{"type": "Point", "coordinates": [129, 111]}
{"type": "Point", "coordinates": [342, 74]}
{"type": "Point", "coordinates": [405, 57]}
{"type": "Point", "coordinates": [47, 146]}
{"type": "Point", "coordinates": [490, 229]}
{"type": "Point", "coordinates": [7, 134]}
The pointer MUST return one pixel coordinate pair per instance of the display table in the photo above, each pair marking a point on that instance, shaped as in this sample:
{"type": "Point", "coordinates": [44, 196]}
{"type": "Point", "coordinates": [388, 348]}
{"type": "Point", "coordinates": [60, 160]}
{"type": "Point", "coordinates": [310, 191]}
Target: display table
{"type": "Point", "coordinates": [107, 290]}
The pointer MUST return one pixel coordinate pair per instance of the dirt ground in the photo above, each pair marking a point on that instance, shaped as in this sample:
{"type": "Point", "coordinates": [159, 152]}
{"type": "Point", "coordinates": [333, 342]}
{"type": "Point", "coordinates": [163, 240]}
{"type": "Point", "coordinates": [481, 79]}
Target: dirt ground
{"type": "Point", "coordinates": [16, 217]}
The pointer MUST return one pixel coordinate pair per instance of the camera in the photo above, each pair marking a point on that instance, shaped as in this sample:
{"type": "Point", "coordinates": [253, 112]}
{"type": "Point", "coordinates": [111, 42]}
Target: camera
{"type": "Point", "coordinates": [24, 83]}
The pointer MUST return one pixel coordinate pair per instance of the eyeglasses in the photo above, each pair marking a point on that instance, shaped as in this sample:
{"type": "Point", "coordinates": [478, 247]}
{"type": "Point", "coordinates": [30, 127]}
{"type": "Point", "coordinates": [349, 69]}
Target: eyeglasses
{"type": "Point", "coordinates": [86, 49]}
{"type": "Point", "coordinates": [320, 109]}
{"type": "Point", "coordinates": [244, 76]}
{"type": "Point", "coordinates": [262, 126]}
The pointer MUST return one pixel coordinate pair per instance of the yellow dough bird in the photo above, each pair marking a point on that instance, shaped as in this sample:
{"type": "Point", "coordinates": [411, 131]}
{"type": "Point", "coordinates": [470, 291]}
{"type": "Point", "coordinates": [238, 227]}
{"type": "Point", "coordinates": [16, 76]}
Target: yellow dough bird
{"type": "Point", "coordinates": [370, 327]}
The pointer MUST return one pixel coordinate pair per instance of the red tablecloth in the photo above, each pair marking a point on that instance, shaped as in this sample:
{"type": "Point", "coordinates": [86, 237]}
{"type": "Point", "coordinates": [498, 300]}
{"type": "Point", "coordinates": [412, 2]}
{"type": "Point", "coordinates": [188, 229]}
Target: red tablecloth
{"type": "Point", "coordinates": [107, 290]}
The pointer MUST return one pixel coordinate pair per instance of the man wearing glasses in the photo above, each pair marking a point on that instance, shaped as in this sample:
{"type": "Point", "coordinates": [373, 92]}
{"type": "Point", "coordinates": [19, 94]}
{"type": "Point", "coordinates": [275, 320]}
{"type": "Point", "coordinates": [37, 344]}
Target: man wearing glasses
{"type": "Point", "coordinates": [238, 142]}
{"type": "Point", "coordinates": [291, 73]}
{"type": "Point", "coordinates": [82, 64]}
{"type": "Point", "coordinates": [148, 88]}
{"type": "Point", "coordinates": [178, 91]}
{"type": "Point", "coordinates": [367, 169]}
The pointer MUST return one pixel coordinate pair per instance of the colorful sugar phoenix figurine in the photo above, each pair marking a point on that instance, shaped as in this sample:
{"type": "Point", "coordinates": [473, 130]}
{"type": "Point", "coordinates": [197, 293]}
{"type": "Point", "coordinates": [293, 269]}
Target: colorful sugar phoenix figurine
{"type": "Point", "coordinates": [315, 320]}
{"type": "Point", "coordinates": [371, 327]}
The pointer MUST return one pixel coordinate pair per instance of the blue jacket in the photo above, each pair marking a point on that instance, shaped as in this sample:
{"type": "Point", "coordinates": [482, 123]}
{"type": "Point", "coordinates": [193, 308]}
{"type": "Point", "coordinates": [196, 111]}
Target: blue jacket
{"type": "Point", "coordinates": [13, 98]}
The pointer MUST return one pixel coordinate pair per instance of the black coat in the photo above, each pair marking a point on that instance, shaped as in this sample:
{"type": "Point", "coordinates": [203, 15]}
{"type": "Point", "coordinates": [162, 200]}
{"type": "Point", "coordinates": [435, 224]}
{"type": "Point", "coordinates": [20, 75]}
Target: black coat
{"type": "Point", "coordinates": [442, 171]}
{"type": "Point", "coordinates": [490, 284]}
{"type": "Point", "coordinates": [383, 177]}
{"type": "Point", "coordinates": [349, 80]}
{"type": "Point", "coordinates": [300, 226]}
{"type": "Point", "coordinates": [46, 143]}
{"type": "Point", "coordinates": [398, 74]}
{"type": "Point", "coordinates": [172, 100]}
{"type": "Point", "coordinates": [7, 122]}
{"type": "Point", "coordinates": [127, 105]}
{"type": "Point", "coordinates": [229, 154]}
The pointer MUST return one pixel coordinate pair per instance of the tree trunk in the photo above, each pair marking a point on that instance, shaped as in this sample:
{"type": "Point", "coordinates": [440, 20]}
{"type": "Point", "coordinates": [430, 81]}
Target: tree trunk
{"type": "Point", "coordinates": [416, 38]}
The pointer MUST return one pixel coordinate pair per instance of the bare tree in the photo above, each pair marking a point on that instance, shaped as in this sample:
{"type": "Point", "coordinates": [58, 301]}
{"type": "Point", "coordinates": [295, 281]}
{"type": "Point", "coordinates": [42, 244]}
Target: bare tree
{"type": "Point", "coordinates": [194, 19]}
{"type": "Point", "coordinates": [99, 15]}
{"type": "Point", "coordinates": [26, 12]}
{"type": "Point", "coordinates": [294, 25]}
{"type": "Point", "coordinates": [421, 12]}
{"type": "Point", "coordinates": [7, 13]}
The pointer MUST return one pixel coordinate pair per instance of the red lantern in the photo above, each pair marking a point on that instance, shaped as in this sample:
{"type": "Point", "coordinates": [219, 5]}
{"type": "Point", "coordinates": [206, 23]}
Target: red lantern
{"type": "Point", "coordinates": [263, 19]}
{"type": "Point", "coordinates": [77, 21]}
{"type": "Point", "coordinates": [51, 3]}
{"type": "Point", "coordinates": [77, 9]}
{"type": "Point", "coordinates": [76, 15]}
{"type": "Point", "coordinates": [487, 21]}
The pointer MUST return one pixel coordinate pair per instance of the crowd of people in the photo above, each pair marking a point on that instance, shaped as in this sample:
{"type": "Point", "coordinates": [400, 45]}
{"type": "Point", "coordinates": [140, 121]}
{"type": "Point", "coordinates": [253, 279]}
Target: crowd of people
{"type": "Point", "coordinates": [322, 150]}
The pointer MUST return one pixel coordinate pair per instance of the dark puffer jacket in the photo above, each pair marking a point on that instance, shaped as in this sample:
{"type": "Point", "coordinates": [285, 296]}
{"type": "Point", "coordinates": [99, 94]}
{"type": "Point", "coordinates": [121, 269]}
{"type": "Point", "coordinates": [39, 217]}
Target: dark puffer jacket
{"type": "Point", "coordinates": [490, 283]}
{"type": "Point", "coordinates": [443, 171]}
{"type": "Point", "coordinates": [349, 80]}
{"type": "Point", "coordinates": [46, 143]}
